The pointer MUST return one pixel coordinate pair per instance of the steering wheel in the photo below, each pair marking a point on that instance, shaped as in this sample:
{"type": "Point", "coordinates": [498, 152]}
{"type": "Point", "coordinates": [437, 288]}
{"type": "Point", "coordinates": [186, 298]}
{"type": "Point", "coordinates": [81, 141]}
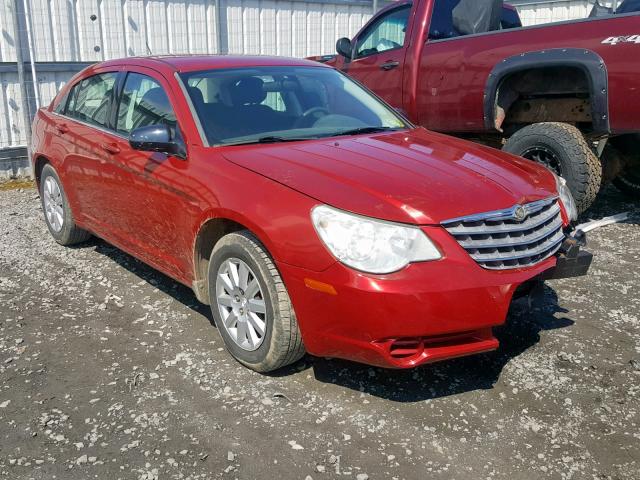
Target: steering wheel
{"type": "Point", "coordinates": [313, 113]}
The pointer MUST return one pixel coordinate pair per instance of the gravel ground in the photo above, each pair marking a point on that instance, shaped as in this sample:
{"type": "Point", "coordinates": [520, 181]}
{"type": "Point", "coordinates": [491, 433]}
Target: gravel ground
{"type": "Point", "coordinates": [109, 370]}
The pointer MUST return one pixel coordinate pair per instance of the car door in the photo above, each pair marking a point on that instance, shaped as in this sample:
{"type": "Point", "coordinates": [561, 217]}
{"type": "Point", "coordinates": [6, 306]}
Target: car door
{"type": "Point", "coordinates": [156, 195]}
{"type": "Point", "coordinates": [83, 129]}
{"type": "Point", "coordinates": [378, 55]}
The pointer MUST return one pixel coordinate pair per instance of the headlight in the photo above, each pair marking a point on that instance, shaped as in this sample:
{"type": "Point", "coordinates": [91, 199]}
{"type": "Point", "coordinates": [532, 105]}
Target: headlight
{"type": "Point", "coordinates": [370, 245]}
{"type": "Point", "coordinates": [566, 197]}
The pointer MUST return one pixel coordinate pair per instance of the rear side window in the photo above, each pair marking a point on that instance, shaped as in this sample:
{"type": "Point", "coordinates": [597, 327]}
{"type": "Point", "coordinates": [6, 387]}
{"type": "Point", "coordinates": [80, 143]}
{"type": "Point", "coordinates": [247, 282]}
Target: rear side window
{"type": "Point", "coordinates": [90, 99]}
{"type": "Point", "coordinates": [143, 102]}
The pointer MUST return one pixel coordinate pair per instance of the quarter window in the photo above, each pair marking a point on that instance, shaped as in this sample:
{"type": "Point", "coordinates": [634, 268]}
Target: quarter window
{"type": "Point", "coordinates": [90, 99]}
{"type": "Point", "coordinates": [386, 34]}
{"type": "Point", "coordinates": [143, 102]}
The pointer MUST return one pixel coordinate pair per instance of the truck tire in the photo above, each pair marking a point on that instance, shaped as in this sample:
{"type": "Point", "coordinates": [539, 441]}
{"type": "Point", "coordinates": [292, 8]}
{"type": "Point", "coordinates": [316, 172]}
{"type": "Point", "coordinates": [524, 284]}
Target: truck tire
{"type": "Point", "coordinates": [251, 306]}
{"type": "Point", "coordinates": [628, 182]}
{"type": "Point", "coordinates": [563, 149]}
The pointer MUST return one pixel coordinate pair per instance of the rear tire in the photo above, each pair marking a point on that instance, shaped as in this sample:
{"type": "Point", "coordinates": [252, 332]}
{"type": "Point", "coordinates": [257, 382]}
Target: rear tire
{"type": "Point", "coordinates": [270, 338]}
{"type": "Point", "coordinates": [57, 212]}
{"type": "Point", "coordinates": [563, 149]}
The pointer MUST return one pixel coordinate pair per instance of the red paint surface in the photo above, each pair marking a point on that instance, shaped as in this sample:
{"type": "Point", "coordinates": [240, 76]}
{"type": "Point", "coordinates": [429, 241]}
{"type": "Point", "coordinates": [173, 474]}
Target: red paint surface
{"type": "Point", "coordinates": [153, 206]}
{"type": "Point", "coordinates": [440, 84]}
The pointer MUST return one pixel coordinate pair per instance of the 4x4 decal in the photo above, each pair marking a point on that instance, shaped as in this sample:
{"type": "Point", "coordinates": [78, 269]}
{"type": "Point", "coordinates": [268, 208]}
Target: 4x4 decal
{"type": "Point", "coordinates": [622, 39]}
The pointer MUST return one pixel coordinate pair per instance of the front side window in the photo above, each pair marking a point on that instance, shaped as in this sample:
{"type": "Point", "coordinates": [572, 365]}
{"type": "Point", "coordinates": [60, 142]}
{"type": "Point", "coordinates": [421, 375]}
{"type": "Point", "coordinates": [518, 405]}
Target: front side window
{"type": "Point", "coordinates": [387, 33]}
{"type": "Point", "coordinates": [90, 99]}
{"type": "Point", "coordinates": [266, 104]}
{"type": "Point", "coordinates": [143, 102]}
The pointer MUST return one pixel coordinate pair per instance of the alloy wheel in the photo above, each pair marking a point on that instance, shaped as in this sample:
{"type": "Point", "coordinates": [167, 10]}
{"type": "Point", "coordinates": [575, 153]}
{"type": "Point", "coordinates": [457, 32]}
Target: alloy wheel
{"type": "Point", "coordinates": [241, 304]}
{"type": "Point", "coordinates": [53, 205]}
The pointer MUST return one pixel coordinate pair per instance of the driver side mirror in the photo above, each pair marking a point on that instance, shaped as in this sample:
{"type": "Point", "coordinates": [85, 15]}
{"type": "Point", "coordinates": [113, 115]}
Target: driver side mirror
{"type": "Point", "coordinates": [157, 138]}
{"type": "Point", "coordinates": [344, 47]}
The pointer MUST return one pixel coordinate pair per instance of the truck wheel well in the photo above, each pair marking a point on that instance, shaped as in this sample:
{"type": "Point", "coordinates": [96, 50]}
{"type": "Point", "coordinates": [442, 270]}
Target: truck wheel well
{"type": "Point", "coordinates": [568, 85]}
{"type": "Point", "coordinates": [210, 232]}
{"type": "Point", "coordinates": [548, 94]}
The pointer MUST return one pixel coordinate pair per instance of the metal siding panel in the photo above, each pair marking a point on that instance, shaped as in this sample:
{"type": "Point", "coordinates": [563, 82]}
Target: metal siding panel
{"type": "Point", "coordinates": [135, 27]}
{"type": "Point", "coordinates": [90, 31]}
{"type": "Point", "coordinates": [269, 41]}
{"type": "Point", "coordinates": [299, 29]}
{"type": "Point", "coordinates": [284, 32]}
{"type": "Point", "coordinates": [212, 27]}
{"type": "Point", "coordinates": [251, 27]}
{"type": "Point", "coordinates": [235, 21]}
{"type": "Point", "coordinates": [157, 27]}
{"type": "Point", "coordinates": [112, 27]}
{"type": "Point", "coordinates": [197, 26]}
{"type": "Point", "coordinates": [177, 27]}
{"type": "Point", "coordinates": [43, 18]}
{"type": "Point", "coordinates": [7, 37]}
{"type": "Point", "coordinates": [314, 29]}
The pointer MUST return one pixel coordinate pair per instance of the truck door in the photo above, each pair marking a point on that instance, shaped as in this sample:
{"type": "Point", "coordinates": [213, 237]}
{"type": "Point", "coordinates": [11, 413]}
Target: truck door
{"type": "Point", "coordinates": [378, 55]}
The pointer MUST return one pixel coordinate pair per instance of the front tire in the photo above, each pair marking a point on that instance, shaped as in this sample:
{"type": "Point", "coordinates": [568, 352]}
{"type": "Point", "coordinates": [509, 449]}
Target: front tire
{"type": "Point", "coordinates": [251, 306]}
{"type": "Point", "coordinates": [562, 149]}
{"type": "Point", "coordinates": [57, 212]}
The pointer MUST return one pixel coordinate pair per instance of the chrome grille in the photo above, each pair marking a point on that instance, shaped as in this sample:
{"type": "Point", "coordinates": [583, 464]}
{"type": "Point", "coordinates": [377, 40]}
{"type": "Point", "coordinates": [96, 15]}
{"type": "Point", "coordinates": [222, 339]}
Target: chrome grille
{"type": "Point", "coordinates": [517, 237]}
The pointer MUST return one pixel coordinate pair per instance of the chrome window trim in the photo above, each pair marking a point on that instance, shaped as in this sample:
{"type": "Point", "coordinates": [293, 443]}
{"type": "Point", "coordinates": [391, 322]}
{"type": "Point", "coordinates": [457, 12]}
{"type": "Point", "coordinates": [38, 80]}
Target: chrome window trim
{"type": "Point", "coordinates": [504, 214]}
{"type": "Point", "coordinates": [192, 109]}
{"type": "Point", "coordinates": [93, 125]}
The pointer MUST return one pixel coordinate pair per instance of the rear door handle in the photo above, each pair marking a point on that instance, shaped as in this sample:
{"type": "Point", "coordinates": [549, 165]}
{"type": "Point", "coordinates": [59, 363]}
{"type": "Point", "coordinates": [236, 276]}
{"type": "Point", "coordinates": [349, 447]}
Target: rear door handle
{"type": "Point", "coordinates": [389, 65]}
{"type": "Point", "coordinates": [62, 128]}
{"type": "Point", "coordinates": [109, 148]}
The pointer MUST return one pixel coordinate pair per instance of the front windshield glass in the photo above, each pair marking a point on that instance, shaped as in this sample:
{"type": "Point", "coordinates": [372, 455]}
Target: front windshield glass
{"type": "Point", "coordinates": [273, 104]}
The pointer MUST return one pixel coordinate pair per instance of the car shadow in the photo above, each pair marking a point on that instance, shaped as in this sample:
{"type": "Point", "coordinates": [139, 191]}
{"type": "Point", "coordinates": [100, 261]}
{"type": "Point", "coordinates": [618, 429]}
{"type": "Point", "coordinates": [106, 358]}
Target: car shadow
{"type": "Point", "coordinates": [157, 279]}
{"type": "Point", "coordinates": [478, 372]}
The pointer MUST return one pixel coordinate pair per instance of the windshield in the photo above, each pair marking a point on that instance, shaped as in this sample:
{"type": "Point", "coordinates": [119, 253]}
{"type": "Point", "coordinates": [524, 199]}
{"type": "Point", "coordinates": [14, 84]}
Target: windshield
{"type": "Point", "coordinates": [272, 104]}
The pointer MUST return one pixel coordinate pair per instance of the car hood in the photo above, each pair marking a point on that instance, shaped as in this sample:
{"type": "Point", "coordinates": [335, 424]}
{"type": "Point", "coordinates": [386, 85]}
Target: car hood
{"type": "Point", "coordinates": [412, 176]}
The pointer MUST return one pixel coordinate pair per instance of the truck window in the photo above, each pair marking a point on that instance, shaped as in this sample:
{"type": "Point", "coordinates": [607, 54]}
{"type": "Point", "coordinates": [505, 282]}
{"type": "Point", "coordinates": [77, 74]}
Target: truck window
{"type": "Point", "coordinates": [387, 33]}
{"type": "Point", "coordinates": [442, 19]}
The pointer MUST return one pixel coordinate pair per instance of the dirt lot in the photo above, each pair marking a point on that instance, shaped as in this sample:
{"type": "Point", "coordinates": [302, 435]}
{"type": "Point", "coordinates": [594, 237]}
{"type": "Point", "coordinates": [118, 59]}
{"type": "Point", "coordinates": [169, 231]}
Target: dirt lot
{"type": "Point", "coordinates": [110, 370]}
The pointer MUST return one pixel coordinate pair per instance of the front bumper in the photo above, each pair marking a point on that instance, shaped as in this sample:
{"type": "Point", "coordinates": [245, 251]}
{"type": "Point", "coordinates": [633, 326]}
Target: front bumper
{"type": "Point", "coordinates": [425, 313]}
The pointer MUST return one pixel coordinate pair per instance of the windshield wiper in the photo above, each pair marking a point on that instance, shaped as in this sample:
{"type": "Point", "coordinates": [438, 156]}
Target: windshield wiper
{"type": "Point", "coordinates": [269, 139]}
{"type": "Point", "coordinates": [356, 131]}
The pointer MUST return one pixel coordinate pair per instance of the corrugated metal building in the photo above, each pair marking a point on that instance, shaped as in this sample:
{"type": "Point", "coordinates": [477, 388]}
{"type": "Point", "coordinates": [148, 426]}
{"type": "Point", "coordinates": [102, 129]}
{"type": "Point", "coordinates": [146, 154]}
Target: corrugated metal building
{"type": "Point", "coordinates": [66, 35]}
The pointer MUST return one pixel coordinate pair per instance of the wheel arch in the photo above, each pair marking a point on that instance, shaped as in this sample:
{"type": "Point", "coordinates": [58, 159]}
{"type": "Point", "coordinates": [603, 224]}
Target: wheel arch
{"type": "Point", "coordinates": [589, 63]}
{"type": "Point", "coordinates": [211, 230]}
{"type": "Point", "coordinates": [38, 164]}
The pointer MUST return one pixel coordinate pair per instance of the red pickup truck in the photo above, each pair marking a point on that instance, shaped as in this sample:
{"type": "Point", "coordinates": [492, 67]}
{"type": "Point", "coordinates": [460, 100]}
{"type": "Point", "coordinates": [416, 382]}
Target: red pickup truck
{"type": "Point", "coordinates": [563, 94]}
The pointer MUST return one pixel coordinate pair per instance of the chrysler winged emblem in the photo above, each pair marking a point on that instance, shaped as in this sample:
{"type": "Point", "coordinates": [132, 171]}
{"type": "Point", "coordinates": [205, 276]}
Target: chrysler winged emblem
{"type": "Point", "coordinates": [520, 213]}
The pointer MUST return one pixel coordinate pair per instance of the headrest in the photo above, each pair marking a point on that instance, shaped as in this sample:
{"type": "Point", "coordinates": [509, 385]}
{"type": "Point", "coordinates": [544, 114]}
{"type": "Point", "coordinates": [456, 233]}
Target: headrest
{"type": "Point", "coordinates": [156, 101]}
{"type": "Point", "coordinates": [196, 96]}
{"type": "Point", "coordinates": [477, 16]}
{"type": "Point", "coordinates": [248, 91]}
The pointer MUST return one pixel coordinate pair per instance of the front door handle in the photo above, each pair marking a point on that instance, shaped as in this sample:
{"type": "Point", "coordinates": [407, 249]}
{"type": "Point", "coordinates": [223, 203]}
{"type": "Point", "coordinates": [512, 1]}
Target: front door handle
{"type": "Point", "coordinates": [109, 148]}
{"type": "Point", "coordinates": [389, 65]}
{"type": "Point", "coordinates": [62, 127]}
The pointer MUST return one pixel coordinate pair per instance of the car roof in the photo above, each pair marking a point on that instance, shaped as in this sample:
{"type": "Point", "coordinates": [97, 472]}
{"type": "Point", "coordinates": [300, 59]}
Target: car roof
{"type": "Point", "coordinates": [190, 63]}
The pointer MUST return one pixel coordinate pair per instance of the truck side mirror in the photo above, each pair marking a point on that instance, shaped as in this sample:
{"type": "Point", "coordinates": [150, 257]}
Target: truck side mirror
{"type": "Point", "coordinates": [343, 47]}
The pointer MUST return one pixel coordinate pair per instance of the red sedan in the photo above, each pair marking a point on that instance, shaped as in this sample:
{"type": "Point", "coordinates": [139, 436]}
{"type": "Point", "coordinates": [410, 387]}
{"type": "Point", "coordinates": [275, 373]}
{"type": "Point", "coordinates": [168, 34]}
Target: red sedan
{"type": "Point", "coordinates": [310, 215]}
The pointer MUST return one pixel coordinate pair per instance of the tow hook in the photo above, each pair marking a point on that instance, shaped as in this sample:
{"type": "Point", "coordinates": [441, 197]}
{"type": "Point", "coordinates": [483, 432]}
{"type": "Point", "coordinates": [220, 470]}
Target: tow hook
{"type": "Point", "coordinates": [571, 260]}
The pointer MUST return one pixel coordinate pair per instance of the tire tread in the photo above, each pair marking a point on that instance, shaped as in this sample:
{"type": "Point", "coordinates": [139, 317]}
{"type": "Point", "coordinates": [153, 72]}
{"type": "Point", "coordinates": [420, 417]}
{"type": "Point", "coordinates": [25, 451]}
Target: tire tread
{"type": "Point", "coordinates": [586, 167]}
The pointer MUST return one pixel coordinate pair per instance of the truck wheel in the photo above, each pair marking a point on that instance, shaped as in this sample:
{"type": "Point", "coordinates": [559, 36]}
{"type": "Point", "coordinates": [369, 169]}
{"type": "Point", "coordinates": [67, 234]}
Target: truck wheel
{"type": "Point", "coordinates": [563, 149]}
{"type": "Point", "coordinates": [628, 182]}
{"type": "Point", "coordinates": [251, 306]}
{"type": "Point", "coordinates": [57, 212]}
